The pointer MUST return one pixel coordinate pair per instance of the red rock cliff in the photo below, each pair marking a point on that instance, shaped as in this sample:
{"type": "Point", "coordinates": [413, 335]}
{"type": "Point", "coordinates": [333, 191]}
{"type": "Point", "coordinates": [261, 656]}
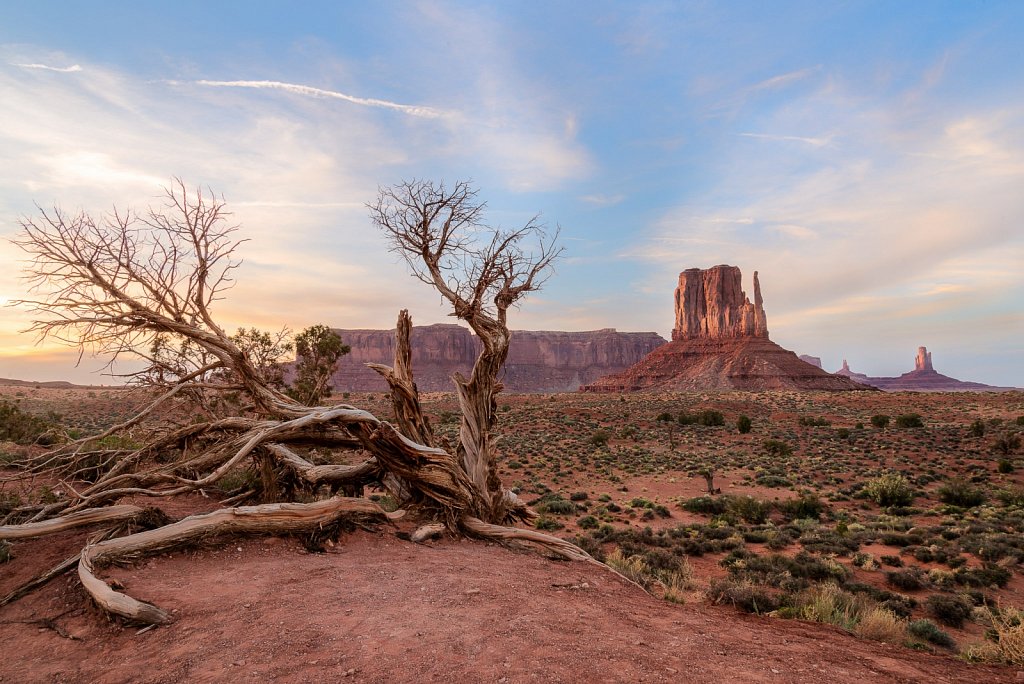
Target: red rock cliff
{"type": "Point", "coordinates": [538, 361]}
{"type": "Point", "coordinates": [710, 304]}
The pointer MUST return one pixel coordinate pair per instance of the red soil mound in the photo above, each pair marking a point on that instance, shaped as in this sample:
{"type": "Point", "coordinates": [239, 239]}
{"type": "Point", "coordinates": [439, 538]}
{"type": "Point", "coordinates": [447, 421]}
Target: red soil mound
{"type": "Point", "coordinates": [377, 609]}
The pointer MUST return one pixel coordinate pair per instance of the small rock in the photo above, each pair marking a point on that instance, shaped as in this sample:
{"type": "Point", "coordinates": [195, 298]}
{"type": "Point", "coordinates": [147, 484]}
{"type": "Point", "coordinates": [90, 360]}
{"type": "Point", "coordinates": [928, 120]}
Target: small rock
{"type": "Point", "coordinates": [472, 591]}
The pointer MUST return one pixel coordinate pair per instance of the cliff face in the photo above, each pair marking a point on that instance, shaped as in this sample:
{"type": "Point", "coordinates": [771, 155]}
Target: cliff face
{"type": "Point", "coordinates": [720, 341]}
{"type": "Point", "coordinates": [711, 304]}
{"type": "Point", "coordinates": [538, 361]}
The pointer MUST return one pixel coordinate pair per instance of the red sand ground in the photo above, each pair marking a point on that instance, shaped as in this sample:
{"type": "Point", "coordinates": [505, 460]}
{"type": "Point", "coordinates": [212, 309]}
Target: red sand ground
{"type": "Point", "coordinates": [379, 609]}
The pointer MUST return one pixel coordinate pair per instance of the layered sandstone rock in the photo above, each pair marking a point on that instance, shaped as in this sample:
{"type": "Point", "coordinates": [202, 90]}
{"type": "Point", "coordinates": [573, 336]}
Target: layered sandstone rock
{"type": "Point", "coordinates": [720, 341]}
{"type": "Point", "coordinates": [923, 360]}
{"type": "Point", "coordinates": [711, 304]}
{"type": "Point", "coordinates": [924, 378]}
{"type": "Point", "coordinates": [538, 361]}
{"type": "Point", "coordinates": [813, 360]}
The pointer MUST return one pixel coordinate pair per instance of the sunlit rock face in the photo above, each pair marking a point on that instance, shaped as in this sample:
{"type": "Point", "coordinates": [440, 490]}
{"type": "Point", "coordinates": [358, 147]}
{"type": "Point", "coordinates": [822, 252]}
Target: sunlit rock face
{"type": "Point", "coordinates": [711, 304]}
{"type": "Point", "coordinates": [720, 342]}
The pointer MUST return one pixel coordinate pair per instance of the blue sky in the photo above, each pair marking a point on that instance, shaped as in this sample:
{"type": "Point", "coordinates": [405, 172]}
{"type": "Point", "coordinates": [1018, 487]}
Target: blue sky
{"type": "Point", "coordinates": [866, 158]}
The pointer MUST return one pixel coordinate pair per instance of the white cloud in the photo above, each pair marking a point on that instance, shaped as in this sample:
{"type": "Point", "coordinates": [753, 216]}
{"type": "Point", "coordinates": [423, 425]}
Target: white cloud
{"type": "Point", "coordinates": [816, 142]}
{"type": "Point", "coordinates": [782, 80]}
{"type": "Point", "coordinates": [309, 91]}
{"type": "Point", "coordinates": [64, 70]}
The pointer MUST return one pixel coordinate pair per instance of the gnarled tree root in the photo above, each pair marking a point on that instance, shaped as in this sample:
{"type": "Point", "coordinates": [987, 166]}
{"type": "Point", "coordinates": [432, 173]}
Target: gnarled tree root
{"type": "Point", "coordinates": [279, 518]}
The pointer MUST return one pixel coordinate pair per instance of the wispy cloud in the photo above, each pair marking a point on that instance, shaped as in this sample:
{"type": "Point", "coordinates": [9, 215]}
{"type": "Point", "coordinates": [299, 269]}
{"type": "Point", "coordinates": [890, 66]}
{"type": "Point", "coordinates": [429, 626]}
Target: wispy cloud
{"type": "Point", "coordinates": [603, 200]}
{"type": "Point", "coordinates": [64, 70]}
{"type": "Point", "coordinates": [309, 91]}
{"type": "Point", "coordinates": [816, 142]}
{"type": "Point", "coordinates": [782, 80]}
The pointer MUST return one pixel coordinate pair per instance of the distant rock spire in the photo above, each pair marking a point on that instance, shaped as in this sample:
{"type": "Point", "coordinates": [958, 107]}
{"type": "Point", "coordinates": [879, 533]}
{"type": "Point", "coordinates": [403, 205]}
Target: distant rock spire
{"type": "Point", "coordinates": [923, 360]}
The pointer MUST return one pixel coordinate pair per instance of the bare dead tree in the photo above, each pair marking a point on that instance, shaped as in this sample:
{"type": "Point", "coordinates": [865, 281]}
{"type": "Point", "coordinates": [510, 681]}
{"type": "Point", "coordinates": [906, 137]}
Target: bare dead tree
{"type": "Point", "coordinates": [481, 272]}
{"type": "Point", "coordinates": [141, 284]}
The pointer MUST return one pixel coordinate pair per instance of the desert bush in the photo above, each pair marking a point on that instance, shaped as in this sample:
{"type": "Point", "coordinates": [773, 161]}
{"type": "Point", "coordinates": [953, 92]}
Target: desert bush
{"type": "Point", "coordinates": [743, 595]}
{"type": "Point", "coordinates": [588, 522]}
{"type": "Point", "coordinates": [880, 421]}
{"type": "Point", "coordinates": [706, 505]}
{"type": "Point", "coordinates": [1012, 496]}
{"type": "Point", "coordinates": [1006, 444]}
{"type": "Point", "coordinates": [829, 604]}
{"type": "Point", "coordinates": [706, 418]}
{"type": "Point", "coordinates": [960, 492]}
{"type": "Point", "coordinates": [811, 421]}
{"type": "Point", "coordinates": [554, 504]}
{"type": "Point", "coordinates": [546, 523]}
{"type": "Point", "coordinates": [578, 496]}
{"type": "Point", "coordinates": [949, 610]}
{"type": "Point", "coordinates": [880, 624]}
{"type": "Point", "coordinates": [777, 448]}
{"type": "Point", "coordinates": [23, 428]}
{"type": "Point", "coordinates": [600, 438]}
{"type": "Point", "coordinates": [804, 506]}
{"type": "Point", "coordinates": [891, 489]}
{"type": "Point", "coordinates": [988, 575]}
{"type": "Point", "coordinates": [751, 510]}
{"type": "Point", "coordinates": [772, 481]}
{"type": "Point", "coordinates": [929, 631]}
{"type": "Point", "coordinates": [910, 579]}
{"type": "Point", "coordinates": [978, 428]}
{"type": "Point", "coordinates": [909, 420]}
{"type": "Point", "coordinates": [744, 424]}
{"type": "Point", "coordinates": [1008, 625]}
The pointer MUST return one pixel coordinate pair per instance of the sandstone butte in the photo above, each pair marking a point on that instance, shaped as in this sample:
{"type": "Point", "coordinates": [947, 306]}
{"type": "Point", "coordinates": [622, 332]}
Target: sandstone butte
{"type": "Point", "coordinates": [924, 378]}
{"type": "Point", "coordinates": [538, 361]}
{"type": "Point", "coordinates": [720, 342]}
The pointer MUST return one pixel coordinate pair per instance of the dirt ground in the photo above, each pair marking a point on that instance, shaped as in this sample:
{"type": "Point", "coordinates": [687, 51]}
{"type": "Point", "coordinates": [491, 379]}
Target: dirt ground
{"type": "Point", "coordinates": [375, 608]}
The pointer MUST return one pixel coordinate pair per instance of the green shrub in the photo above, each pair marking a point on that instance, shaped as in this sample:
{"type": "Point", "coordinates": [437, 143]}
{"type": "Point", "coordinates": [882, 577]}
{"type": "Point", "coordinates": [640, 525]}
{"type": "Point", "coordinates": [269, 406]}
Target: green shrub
{"type": "Point", "coordinates": [744, 595]}
{"type": "Point", "coordinates": [959, 492]}
{"type": "Point", "coordinates": [578, 496]}
{"type": "Point", "coordinates": [23, 428]}
{"type": "Point", "coordinates": [910, 579]}
{"type": "Point", "coordinates": [909, 420]}
{"type": "Point", "coordinates": [891, 489]}
{"type": "Point", "coordinates": [1004, 466]}
{"type": "Point", "coordinates": [751, 510]}
{"type": "Point", "coordinates": [777, 448]}
{"type": "Point", "coordinates": [949, 610]}
{"type": "Point", "coordinates": [1007, 444]}
{"type": "Point", "coordinates": [600, 438]}
{"type": "Point", "coordinates": [880, 421]}
{"type": "Point", "coordinates": [706, 505]}
{"type": "Point", "coordinates": [588, 522]}
{"type": "Point", "coordinates": [554, 504]}
{"type": "Point", "coordinates": [810, 421]}
{"type": "Point", "coordinates": [707, 418]}
{"type": "Point", "coordinates": [744, 424]}
{"type": "Point", "coordinates": [804, 506]}
{"type": "Point", "coordinates": [930, 632]}
{"type": "Point", "coordinates": [546, 523]}
{"type": "Point", "coordinates": [978, 428]}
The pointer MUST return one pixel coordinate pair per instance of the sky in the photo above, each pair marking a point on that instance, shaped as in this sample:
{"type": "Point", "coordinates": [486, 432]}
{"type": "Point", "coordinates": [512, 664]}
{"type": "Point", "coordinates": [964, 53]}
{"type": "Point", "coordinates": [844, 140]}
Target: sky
{"type": "Point", "coordinates": [866, 158]}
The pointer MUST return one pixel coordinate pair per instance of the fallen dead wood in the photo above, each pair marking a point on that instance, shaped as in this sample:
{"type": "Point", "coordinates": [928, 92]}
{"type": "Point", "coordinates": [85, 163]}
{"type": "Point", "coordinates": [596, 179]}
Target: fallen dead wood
{"type": "Point", "coordinates": [87, 516]}
{"type": "Point", "coordinates": [278, 518]}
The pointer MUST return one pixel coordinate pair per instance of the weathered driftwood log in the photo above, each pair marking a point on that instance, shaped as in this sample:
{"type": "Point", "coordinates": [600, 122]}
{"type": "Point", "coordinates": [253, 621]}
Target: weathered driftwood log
{"type": "Point", "coordinates": [279, 518]}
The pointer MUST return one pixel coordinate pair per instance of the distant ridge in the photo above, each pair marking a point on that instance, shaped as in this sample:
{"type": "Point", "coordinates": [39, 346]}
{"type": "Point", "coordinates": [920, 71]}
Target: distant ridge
{"type": "Point", "coordinates": [924, 378]}
{"type": "Point", "coordinates": [52, 384]}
